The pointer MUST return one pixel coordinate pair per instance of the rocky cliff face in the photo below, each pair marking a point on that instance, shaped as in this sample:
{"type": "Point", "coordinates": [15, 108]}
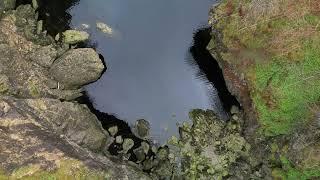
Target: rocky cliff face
{"type": "Point", "coordinates": [41, 134]}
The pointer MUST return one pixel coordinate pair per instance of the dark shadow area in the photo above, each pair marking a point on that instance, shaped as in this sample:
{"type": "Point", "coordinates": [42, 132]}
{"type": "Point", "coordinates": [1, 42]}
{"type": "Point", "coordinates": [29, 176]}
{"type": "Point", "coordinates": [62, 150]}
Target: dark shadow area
{"type": "Point", "coordinates": [54, 13]}
{"type": "Point", "coordinates": [109, 120]}
{"type": "Point", "coordinates": [210, 68]}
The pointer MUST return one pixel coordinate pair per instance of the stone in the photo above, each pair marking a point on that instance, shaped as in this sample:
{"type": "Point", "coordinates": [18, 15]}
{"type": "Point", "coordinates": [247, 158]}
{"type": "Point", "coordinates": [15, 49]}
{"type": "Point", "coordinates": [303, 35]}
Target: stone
{"type": "Point", "coordinates": [74, 36]}
{"type": "Point", "coordinates": [57, 37]}
{"type": "Point", "coordinates": [146, 147]}
{"type": "Point", "coordinates": [104, 28]}
{"type": "Point", "coordinates": [39, 27]}
{"type": "Point", "coordinates": [44, 56]}
{"type": "Point", "coordinates": [113, 130]}
{"type": "Point", "coordinates": [163, 153]}
{"type": "Point", "coordinates": [77, 67]}
{"type": "Point", "coordinates": [35, 4]}
{"type": "Point", "coordinates": [127, 145]}
{"type": "Point", "coordinates": [7, 5]}
{"type": "Point", "coordinates": [139, 153]}
{"type": "Point", "coordinates": [235, 117]}
{"type": "Point", "coordinates": [154, 149]}
{"type": "Point", "coordinates": [234, 110]}
{"type": "Point", "coordinates": [142, 129]}
{"type": "Point", "coordinates": [119, 140]}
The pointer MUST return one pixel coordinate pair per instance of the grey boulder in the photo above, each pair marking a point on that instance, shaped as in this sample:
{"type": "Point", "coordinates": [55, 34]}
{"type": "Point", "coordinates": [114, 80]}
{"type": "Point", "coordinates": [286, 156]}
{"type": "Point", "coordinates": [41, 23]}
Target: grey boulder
{"type": "Point", "coordinates": [76, 68]}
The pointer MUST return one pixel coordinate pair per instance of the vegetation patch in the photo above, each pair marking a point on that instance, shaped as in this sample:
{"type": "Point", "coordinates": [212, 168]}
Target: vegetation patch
{"type": "Point", "coordinates": [67, 169]}
{"type": "Point", "coordinates": [282, 68]}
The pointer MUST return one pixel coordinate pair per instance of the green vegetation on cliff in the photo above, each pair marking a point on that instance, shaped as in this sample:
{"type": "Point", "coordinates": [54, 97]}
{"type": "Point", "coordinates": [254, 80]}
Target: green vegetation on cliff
{"type": "Point", "coordinates": [275, 45]}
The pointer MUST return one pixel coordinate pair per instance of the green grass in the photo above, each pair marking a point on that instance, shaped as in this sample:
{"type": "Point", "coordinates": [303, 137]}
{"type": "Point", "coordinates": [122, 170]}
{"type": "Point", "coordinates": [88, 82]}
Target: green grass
{"type": "Point", "coordinates": [283, 70]}
{"type": "Point", "coordinates": [288, 172]}
{"type": "Point", "coordinates": [295, 86]}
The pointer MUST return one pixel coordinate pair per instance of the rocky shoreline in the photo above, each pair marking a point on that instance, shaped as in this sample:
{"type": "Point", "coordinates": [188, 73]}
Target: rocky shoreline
{"type": "Point", "coordinates": [49, 129]}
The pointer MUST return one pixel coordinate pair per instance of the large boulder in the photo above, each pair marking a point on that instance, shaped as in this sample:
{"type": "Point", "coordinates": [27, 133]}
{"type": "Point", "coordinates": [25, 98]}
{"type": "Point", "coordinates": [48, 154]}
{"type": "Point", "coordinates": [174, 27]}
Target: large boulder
{"type": "Point", "coordinates": [77, 67]}
{"type": "Point", "coordinates": [24, 64]}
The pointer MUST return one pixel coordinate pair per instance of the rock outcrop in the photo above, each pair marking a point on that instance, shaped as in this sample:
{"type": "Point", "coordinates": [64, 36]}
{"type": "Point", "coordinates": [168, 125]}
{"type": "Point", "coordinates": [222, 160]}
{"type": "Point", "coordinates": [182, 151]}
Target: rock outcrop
{"type": "Point", "coordinates": [44, 134]}
{"type": "Point", "coordinates": [77, 68]}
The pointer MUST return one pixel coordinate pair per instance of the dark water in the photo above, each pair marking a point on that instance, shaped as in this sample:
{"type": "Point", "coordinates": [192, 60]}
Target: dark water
{"type": "Point", "coordinates": [158, 65]}
{"type": "Point", "coordinates": [150, 71]}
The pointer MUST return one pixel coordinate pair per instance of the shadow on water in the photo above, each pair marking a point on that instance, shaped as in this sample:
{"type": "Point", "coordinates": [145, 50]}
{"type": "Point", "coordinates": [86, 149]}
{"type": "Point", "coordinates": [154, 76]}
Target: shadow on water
{"type": "Point", "coordinates": [209, 67]}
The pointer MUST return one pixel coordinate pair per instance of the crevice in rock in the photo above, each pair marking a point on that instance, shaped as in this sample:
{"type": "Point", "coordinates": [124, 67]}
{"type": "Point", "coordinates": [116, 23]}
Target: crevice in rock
{"type": "Point", "coordinates": [210, 67]}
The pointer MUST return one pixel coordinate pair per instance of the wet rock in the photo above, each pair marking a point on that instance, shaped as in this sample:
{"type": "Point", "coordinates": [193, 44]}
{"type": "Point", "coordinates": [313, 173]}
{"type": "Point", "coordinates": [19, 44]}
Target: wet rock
{"type": "Point", "coordinates": [44, 56]}
{"type": "Point", "coordinates": [113, 130]}
{"type": "Point", "coordinates": [74, 36]}
{"type": "Point", "coordinates": [104, 28]}
{"type": "Point", "coordinates": [7, 5]}
{"type": "Point", "coordinates": [127, 145]}
{"type": "Point", "coordinates": [69, 70]}
{"type": "Point", "coordinates": [142, 129]}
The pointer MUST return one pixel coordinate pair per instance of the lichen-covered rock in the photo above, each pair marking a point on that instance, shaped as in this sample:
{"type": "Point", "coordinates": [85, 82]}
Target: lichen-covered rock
{"type": "Point", "coordinates": [113, 130]}
{"type": "Point", "coordinates": [209, 147]}
{"type": "Point", "coordinates": [142, 129]}
{"type": "Point", "coordinates": [76, 68]}
{"type": "Point", "coordinates": [37, 140]}
{"type": "Point", "coordinates": [74, 36]}
{"type": "Point", "coordinates": [127, 145]}
{"type": "Point", "coordinates": [7, 5]}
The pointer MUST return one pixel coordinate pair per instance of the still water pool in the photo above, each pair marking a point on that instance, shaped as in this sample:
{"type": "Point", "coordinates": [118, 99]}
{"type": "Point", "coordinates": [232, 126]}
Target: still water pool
{"type": "Point", "coordinates": [150, 72]}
